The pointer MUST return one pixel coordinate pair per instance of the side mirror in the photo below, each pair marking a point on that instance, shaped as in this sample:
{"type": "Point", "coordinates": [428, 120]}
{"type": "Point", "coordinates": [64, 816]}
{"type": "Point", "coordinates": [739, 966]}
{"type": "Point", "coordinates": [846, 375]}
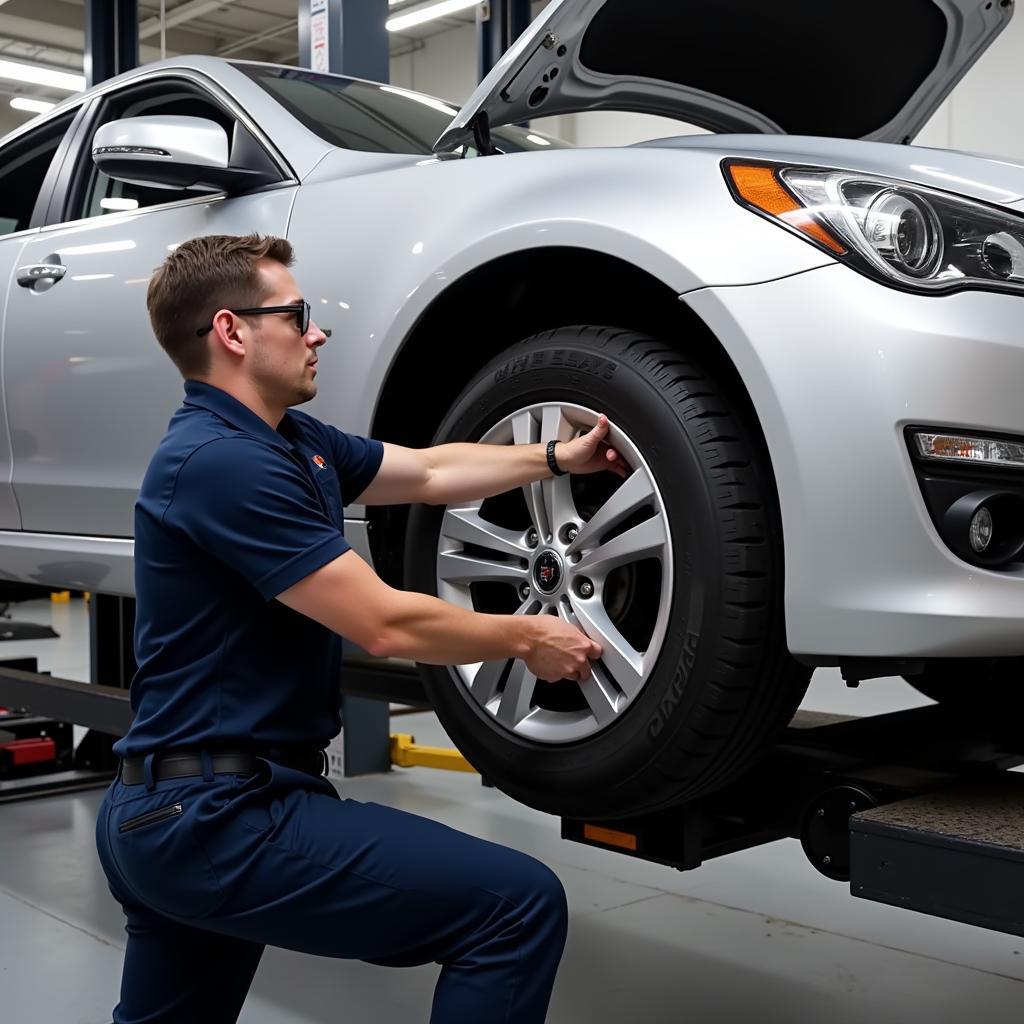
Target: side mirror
{"type": "Point", "coordinates": [173, 152]}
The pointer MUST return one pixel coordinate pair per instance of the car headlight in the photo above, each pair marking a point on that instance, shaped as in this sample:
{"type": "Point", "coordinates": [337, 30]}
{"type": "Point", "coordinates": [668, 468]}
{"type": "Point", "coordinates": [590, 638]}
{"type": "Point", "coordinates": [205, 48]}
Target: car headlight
{"type": "Point", "coordinates": [903, 234]}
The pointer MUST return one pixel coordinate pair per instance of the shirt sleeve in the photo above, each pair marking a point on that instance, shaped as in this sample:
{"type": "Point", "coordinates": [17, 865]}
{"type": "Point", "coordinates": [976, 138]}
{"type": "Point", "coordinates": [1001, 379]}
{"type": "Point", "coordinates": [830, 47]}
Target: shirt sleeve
{"type": "Point", "coordinates": [357, 460]}
{"type": "Point", "coordinates": [254, 509]}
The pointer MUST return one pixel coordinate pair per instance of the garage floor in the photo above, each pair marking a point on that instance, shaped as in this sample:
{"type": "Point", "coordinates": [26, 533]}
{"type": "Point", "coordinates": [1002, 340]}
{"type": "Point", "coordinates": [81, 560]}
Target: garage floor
{"type": "Point", "coordinates": [756, 936]}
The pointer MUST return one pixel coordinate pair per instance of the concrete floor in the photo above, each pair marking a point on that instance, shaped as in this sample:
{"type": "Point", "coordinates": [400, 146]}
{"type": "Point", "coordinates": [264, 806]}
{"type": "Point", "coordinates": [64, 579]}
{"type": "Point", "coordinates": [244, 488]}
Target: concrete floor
{"type": "Point", "coordinates": [755, 936]}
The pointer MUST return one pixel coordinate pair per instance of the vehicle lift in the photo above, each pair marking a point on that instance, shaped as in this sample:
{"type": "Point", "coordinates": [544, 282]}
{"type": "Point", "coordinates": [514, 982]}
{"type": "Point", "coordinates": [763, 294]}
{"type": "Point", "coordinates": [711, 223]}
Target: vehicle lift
{"type": "Point", "coordinates": [917, 809]}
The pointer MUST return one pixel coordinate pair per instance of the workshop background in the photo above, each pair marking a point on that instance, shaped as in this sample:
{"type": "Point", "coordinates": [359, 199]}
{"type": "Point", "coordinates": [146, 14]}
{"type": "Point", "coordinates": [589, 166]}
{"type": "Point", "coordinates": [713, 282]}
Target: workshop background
{"type": "Point", "coordinates": [758, 935]}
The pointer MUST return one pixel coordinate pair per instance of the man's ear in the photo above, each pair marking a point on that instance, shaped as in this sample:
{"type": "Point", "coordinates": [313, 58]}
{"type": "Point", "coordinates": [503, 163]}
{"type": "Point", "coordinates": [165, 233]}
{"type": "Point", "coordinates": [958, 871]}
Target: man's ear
{"type": "Point", "coordinates": [227, 332]}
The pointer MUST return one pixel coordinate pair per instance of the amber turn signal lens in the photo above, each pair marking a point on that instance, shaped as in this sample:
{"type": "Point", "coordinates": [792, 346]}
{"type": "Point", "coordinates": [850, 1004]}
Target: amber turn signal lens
{"type": "Point", "coordinates": [759, 187]}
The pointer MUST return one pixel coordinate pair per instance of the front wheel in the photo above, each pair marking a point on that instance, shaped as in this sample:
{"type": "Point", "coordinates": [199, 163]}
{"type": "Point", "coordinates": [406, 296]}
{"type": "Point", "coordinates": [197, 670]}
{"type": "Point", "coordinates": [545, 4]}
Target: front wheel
{"type": "Point", "coordinates": [676, 571]}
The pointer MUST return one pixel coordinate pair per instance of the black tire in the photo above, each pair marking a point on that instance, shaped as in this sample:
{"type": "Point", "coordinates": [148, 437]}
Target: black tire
{"type": "Point", "coordinates": [979, 687]}
{"type": "Point", "coordinates": [724, 682]}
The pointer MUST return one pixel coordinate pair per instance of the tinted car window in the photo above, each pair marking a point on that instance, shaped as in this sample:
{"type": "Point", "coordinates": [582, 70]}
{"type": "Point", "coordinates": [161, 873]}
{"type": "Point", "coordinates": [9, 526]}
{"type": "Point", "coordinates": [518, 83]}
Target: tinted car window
{"type": "Point", "coordinates": [103, 194]}
{"type": "Point", "coordinates": [373, 118]}
{"type": "Point", "coordinates": [23, 166]}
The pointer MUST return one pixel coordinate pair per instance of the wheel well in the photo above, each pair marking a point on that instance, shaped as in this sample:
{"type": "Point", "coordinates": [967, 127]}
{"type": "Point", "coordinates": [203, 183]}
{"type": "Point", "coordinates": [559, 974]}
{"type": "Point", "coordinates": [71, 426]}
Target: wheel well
{"type": "Point", "coordinates": [502, 303]}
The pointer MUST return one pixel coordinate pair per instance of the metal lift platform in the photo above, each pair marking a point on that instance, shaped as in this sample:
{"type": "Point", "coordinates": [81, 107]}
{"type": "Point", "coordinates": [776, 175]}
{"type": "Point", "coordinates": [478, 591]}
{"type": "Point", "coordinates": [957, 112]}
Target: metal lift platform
{"type": "Point", "coordinates": [916, 809]}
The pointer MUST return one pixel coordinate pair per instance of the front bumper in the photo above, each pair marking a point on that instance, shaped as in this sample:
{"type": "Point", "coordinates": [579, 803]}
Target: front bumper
{"type": "Point", "coordinates": [837, 366]}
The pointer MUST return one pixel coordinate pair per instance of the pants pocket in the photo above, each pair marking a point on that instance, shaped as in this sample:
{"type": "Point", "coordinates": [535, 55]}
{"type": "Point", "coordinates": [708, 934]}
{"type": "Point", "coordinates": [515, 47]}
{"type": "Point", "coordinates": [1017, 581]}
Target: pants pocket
{"type": "Point", "coordinates": [150, 818]}
{"type": "Point", "coordinates": [161, 861]}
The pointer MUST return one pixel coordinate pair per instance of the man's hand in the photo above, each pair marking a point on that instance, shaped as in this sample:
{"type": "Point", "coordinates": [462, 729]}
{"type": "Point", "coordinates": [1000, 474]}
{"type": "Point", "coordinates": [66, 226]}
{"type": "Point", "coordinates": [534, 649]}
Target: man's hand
{"type": "Point", "coordinates": [559, 650]}
{"type": "Point", "coordinates": [590, 453]}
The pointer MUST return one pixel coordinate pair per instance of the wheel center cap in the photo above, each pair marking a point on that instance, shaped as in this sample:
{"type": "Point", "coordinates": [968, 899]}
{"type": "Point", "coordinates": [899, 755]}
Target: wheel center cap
{"type": "Point", "coordinates": [548, 572]}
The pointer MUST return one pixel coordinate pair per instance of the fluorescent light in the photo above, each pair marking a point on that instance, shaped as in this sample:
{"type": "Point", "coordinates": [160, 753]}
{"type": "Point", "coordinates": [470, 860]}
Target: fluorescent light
{"type": "Point", "coordinates": [428, 12]}
{"type": "Point", "coordinates": [537, 140]}
{"type": "Point", "coordinates": [34, 74]}
{"type": "Point", "coordinates": [116, 203]}
{"type": "Point", "coordinates": [36, 106]}
{"type": "Point", "coordinates": [427, 101]}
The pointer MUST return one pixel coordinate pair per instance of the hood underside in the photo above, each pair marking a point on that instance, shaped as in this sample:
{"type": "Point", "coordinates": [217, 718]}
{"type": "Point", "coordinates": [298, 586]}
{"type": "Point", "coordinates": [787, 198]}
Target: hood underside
{"type": "Point", "coordinates": [853, 69]}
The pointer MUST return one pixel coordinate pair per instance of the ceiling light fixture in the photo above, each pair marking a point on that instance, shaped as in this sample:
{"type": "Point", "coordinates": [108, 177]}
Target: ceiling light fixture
{"type": "Point", "coordinates": [35, 74]}
{"type": "Point", "coordinates": [36, 106]}
{"type": "Point", "coordinates": [428, 12]}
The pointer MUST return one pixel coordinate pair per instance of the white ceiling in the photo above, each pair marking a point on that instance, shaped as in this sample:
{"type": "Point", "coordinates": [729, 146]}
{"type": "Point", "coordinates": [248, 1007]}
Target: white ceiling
{"type": "Point", "coordinates": [51, 32]}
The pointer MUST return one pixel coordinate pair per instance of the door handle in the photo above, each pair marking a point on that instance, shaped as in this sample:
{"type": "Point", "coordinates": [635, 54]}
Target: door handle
{"type": "Point", "coordinates": [33, 272]}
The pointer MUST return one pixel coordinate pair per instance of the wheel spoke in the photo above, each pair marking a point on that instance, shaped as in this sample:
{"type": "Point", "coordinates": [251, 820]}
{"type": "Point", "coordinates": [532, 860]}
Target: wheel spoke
{"type": "Point", "coordinates": [559, 506]}
{"type": "Point", "coordinates": [518, 696]}
{"type": "Point", "coordinates": [600, 695]}
{"type": "Point", "coordinates": [598, 691]}
{"type": "Point", "coordinates": [469, 527]}
{"type": "Point", "coordinates": [485, 681]}
{"type": "Point", "coordinates": [624, 663]}
{"type": "Point", "coordinates": [559, 502]}
{"type": "Point", "coordinates": [554, 426]}
{"type": "Point", "coordinates": [455, 567]}
{"type": "Point", "coordinates": [645, 540]}
{"type": "Point", "coordinates": [633, 494]}
{"type": "Point", "coordinates": [526, 430]}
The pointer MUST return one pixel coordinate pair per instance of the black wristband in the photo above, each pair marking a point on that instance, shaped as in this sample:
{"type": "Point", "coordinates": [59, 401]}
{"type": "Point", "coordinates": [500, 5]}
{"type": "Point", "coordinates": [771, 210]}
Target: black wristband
{"type": "Point", "coordinates": [552, 465]}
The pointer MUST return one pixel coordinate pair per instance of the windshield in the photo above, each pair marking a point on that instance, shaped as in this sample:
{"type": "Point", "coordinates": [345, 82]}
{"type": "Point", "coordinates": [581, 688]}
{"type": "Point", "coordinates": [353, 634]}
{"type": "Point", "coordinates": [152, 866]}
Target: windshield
{"type": "Point", "coordinates": [375, 118]}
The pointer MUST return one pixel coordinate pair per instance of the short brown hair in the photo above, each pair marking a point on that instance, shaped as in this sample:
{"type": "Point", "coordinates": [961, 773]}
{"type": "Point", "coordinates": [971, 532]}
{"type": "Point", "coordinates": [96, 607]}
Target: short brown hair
{"type": "Point", "coordinates": [201, 276]}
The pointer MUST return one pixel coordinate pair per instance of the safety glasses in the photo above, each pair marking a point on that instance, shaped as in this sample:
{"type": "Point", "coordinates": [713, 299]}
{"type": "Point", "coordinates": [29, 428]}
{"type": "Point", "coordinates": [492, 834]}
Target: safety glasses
{"type": "Point", "coordinates": [300, 309]}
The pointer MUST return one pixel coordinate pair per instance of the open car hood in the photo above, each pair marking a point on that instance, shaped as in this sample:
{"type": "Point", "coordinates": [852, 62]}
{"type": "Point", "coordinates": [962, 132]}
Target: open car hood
{"type": "Point", "coordinates": [853, 69]}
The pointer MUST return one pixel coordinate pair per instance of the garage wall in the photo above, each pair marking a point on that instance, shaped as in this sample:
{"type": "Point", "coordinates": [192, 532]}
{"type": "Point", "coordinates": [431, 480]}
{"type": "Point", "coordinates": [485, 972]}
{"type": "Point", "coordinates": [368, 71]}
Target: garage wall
{"type": "Point", "coordinates": [445, 67]}
{"type": "Point", "coordinates": [984, 113]}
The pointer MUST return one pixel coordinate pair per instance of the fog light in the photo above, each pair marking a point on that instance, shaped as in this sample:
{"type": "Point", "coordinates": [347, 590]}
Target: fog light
{"type": "Point", "coordinates": [981, 530]}
{"type": "Point", "coordinates": [969, 527]}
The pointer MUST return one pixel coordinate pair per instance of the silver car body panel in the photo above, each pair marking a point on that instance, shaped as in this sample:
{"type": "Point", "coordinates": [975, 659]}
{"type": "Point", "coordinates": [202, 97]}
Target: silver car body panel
{"type": "Point", "coordinates": [546, 71]}
{"type": "Point", "coordinates": [94, 391]}
{"type": "Point", "coordinates": [433, 221]}
{"type": "Point", "coordinates": [837, 366]}
{"type": "Point", "coordinates": [825, 353]}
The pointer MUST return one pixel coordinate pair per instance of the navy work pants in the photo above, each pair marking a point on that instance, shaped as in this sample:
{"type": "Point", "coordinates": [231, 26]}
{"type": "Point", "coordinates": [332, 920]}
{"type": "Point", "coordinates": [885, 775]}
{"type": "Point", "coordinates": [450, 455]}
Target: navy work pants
{"type": "Point", "coordinates": [209, 871]}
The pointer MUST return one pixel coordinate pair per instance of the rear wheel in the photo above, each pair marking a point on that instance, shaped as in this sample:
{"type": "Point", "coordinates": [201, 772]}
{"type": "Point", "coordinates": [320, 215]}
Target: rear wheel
{"type": "Point", "coordinates": [676, 571]}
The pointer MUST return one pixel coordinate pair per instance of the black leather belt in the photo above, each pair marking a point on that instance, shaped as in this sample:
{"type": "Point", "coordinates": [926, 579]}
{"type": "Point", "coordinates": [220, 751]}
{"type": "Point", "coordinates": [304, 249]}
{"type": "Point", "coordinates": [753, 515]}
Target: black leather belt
{"type": "Point", "coordinates": [184, 764]}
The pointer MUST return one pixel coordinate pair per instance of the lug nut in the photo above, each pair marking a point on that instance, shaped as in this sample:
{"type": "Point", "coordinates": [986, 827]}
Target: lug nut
{"type": "Point", "coordinates": [586, 588]}
{"type": "Point", "coordinates": [524, 590]}
{"type": "Point", "coordinates": [571, 534]}
{"type": "Point", "coordinates": [531, 538]}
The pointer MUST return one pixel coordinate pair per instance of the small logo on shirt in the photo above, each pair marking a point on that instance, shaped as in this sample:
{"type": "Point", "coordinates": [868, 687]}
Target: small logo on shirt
{"type": "Point", "coordinates": [318, 461]}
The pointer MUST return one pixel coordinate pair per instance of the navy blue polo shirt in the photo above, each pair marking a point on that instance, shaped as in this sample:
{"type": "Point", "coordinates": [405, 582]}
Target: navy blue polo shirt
{"type": "Point", "coordinates": [232, 513]}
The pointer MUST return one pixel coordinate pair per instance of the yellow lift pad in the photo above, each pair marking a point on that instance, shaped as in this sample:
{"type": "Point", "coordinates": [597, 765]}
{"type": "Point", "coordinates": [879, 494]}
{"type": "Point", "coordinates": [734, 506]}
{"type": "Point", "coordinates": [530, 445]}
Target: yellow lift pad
{"type": "Point", "coordinates": [406, 753]}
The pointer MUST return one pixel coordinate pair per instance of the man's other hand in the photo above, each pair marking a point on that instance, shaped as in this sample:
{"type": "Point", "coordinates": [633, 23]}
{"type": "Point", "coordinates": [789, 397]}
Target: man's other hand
{"type": "Point", "coordinates": [559, 650]}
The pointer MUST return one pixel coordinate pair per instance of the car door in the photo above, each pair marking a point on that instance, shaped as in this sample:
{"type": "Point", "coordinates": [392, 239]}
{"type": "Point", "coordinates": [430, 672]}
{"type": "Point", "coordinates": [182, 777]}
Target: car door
{"type": "Point", "coordinates": [89, 390]}
{"type": "Point", "coordinates": [28, 166]}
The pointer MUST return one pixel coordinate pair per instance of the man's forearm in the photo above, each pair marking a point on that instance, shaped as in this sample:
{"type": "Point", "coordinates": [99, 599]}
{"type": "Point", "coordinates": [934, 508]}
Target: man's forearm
{"type": "Point", "coordinates": [468, 472]}
{"type": "Point", "coordinates": [434, 632]}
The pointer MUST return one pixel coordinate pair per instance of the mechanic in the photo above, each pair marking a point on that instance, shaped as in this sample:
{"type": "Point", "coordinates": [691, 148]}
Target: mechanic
{"type": "Point", "coordinates": [220, 834]}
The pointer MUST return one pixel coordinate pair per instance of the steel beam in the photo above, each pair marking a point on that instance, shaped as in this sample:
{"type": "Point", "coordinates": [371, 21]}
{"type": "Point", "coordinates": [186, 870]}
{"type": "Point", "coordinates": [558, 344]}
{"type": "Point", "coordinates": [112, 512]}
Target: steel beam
{"type": "Point", "coordinates": [499, 24]}
{"type": "Point", "coordinates": [111, 39]}
{"type": "Point", "coordinates": [103, 708]}
{"type": "Point", "coordinates": [345, 37]}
